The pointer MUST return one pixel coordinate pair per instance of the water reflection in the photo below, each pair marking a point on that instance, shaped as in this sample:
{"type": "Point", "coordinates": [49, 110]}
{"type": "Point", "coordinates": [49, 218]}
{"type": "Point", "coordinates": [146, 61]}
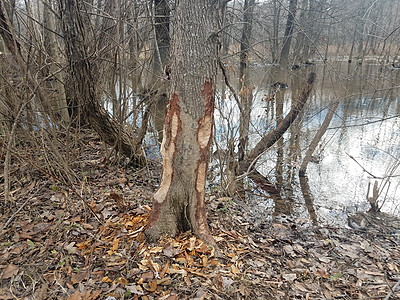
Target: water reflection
{"type": "Point", "coordinates": [360, 145]}
{"type": "Point", "coordinates": [308, 199]}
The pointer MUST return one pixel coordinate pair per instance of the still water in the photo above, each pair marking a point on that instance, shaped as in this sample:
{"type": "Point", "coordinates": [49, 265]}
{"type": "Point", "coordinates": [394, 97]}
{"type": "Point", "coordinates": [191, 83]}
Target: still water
{"type": "Point", "coordinates": [360, 149]}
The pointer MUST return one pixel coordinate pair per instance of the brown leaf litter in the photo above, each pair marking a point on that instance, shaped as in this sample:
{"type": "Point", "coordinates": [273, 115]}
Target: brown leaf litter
{"type": "Point", "coordinates": [52, 247]}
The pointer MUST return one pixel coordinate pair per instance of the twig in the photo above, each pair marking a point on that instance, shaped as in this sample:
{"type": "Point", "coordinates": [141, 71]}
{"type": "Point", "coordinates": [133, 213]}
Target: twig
{"type": "Point", "coordinates": [8, 153]}
{"type": "Point", "coordinates": [392, 290]}
{"type": "Point", "coordinates": [53, 179]}
{"type": "Point", "coordinates": [365, 170]}
{"type": "Point", "coordinates": [228, 84]}
{"type": "Point", "coordinates": [13, 216]}
{"type": "Point", "coordinates": [249, 169]}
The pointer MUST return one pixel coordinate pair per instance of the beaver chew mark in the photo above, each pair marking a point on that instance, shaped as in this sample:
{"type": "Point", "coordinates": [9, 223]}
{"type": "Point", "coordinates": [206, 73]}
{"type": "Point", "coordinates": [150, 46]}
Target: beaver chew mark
{"type": "Point", "coordinates": [168, 148]}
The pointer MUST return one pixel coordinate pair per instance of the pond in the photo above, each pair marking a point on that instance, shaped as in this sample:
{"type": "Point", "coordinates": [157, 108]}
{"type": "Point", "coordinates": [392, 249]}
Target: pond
{"type": "Point", "coordinates": [360, 148]}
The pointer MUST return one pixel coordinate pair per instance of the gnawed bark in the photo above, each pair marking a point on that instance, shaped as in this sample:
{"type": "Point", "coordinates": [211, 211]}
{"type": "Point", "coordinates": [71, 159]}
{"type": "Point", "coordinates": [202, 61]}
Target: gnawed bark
{"type": "Point", "coordinates": [179, 203]}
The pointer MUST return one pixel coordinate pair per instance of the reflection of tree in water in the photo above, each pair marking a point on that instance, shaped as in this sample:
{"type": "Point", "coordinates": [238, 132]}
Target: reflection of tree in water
{"type": "Point", "coordinates": [305, 189]}
{"type": "Point", "coordinates": [283, 205]}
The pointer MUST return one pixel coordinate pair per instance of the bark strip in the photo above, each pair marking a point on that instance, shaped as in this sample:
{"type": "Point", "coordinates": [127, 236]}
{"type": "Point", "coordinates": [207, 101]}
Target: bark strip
{"type": "Point", "coordinates": [204, 137]}
{"type": "Point", "coordinates": [172, 128]}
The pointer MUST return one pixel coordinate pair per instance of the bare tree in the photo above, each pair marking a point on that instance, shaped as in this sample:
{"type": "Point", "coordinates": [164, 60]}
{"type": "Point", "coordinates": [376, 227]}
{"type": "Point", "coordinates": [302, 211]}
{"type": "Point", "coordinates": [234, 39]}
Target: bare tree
{"type": "Point", "coordinates": [160, 69]}
{"type": "Point", "coordinates": [287, 39]}
{"type": "Point", "coordinates": [245, 87]}
{"type": "Point", "coordinates": [84, 72]}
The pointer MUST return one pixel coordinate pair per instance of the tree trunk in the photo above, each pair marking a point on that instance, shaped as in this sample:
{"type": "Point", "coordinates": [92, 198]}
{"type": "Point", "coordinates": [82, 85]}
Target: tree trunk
{"type": "Point", "coordinates": [179, 204]}
{"type": "Point", "coordinates": [246, 95]}
{"type": "Point", "coordinates": [85, 77]}
{"type": "Point", "coordinates": [161, 52]}
{"type": "Point", "coordinates": [245, 103]}
{"type": "Point", "coordinates": [53, 51]}
{"type": "Point", "coordinates": [287, 39]}
{"type": "Point", "coordinates": [275, 30]}
{"type": "Point", "coordinates": [317, 138]}
{"type": "Point", "coordinates": [161, 20]}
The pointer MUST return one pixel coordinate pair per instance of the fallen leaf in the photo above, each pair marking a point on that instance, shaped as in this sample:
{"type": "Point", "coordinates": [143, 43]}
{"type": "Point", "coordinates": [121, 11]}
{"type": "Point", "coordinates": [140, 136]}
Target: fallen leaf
{"type": "Point", "coordinates": [164, 270]}
{"type": "Point", "coordinates": [322, 273]}
{"type": "Point", "coordinates": [170, 251]}
{"type": "Point", "coordinates": [117, 181]}
{"type": "Point", "coordinates": [134, 290]}
{"type": "Point", "coordinates": [156, 249]}
{"type": "Point", "coordinates": [17, 249]}
{"type": "Point", "coordinates": [164, 281]}
{"type": "Point", "coordinates": [147, 275]}
{"type": "Point", "coordinates": [177, 271]}
{"type": "Point", "coordinates": [9, 271]}
{"type": "Point", "coordinates": [79, 277]}
{"type": "Point", "coordinates": [226, 281]}
{"type": "Point", "coordinates": [26, 236]}
{"type": "Point", "coordinates": [192, 243]}
{"type": "Point", "coordinates": [114, 247]}
{"type": "Point", "coordinates": [106, 279]}
{"type": "Point", "coordinates": [202, 248]}
{"type": "Point", "coordinates": [218, 282]}
{"type": "Point", "coordinates": [235, 269]}
{"type": "Point", "coordinates": [70, 248]}
{"type": "Point", "coordinates": [151, 286]}
{"type": "Point", "coordinates": [156, 267]}
{"type": "Point", "coordinates": [187, 281]}
{"type": "Point", "coordinates": [95, 295]}
{"type": "Point", "coordinates": [5, 294]}
{"type": "Point", "coordinates": [75, 296]}
{"type": "Point", "coordinates": [121, 280]}
{"type": "Point", "coordinates": [289, 277]}
{"type": "Point", "coordinates": [374, 273]}
{"type": "Point", "coordinates": [204, 261]}
{"type": "Point", "coordinates": [169, 297]}
{"type": "Point", "coordinates": [31, 186]}
{"type": "Point", "coordinates": [75, 219]}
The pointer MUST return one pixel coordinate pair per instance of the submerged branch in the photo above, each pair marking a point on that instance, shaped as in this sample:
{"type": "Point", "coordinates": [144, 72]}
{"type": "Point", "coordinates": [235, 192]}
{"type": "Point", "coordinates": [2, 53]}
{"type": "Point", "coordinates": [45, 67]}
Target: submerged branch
{"type": "Point", "coordinates": [369, 173]}
{"type": "Point", "coordinates": [274, 135]}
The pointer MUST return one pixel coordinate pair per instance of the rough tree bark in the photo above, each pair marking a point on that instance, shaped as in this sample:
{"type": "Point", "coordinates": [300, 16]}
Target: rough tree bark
{"type": "Point", "coordinates": [161, 53]}
{"type": "Point", "coordinates": [287, 39]}
{"type": "Point", "coordinates": [178, 205]}
{"type": "Point", "coordinates": [53, 51]}
{"type": "Point", "coordinates": [84, 72]}
{"type": "Point", "coordinates": [246, 95]}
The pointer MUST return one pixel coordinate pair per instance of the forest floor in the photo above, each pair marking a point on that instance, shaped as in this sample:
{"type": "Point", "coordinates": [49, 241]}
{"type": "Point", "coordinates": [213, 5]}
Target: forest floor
{"type": "Point", "coordinates": [54, 246]}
